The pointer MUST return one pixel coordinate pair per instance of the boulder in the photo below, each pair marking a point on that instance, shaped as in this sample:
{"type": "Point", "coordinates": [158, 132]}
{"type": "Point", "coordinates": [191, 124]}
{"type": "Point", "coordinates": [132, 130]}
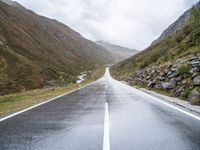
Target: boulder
{"type": "Point", "coordinates": [193, 70]}
{"type": "Point", "coordinates": [162, 74]}
{"type": "Point", "coordinates": [196, 80]}
{"type": "Point", "coordinates": [195, 74]}
{"type": "Point", "coordinates": [195, 63]}
{"type": "Point", "coordinates": [154, 73]}
{"type": "Point", "coordinates": [168, 85]}
{"type": "Point", "coordinates": [174, 69]}
{"type": "Point", "coordinates": [166, 71]}
{"type": "Point", "coordinates": [178, 91]}
{"type": "Point", "coordinates": [169, 65]}
{"type": "Point", "coordinates": [158, 86]}
{"type": "Point", "coordinates": [194, 97]}
{"type": "Point", "coordinates": [161, 78]}
{"type": "Point", "coordinates": [151, 84]}
{"type": "Point", "coordinates": [179, 79]}
{"type": "Point", "coordinates": [192, 58]}
{"type": "Point", "coordinates": [184, 81]}
{"type": "Point", "coordinates": [148, 77]}
{"type": "Point", "coordinates": [198, 57]}
{"type": "Point", "coordinates": [172, 74]}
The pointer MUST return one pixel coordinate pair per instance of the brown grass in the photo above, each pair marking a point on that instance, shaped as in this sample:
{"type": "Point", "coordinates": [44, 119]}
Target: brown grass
{"type": "Point", "coordinates": [15, 102]}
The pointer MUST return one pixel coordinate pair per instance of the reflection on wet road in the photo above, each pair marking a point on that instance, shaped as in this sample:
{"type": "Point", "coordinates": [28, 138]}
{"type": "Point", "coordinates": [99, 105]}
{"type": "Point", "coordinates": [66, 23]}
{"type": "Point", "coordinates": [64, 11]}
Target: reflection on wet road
{"type": "Point", "coordinates": [76, 122]}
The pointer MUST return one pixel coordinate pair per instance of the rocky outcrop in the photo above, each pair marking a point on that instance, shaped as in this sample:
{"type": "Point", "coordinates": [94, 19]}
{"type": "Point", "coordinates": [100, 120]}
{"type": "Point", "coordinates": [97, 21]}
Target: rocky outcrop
{"type": "Point", "coordinates": [180, 78]}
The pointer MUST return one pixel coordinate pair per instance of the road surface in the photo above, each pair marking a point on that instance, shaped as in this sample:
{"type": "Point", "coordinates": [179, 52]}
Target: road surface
{"type": "Point", "coordinates": [107, 115]}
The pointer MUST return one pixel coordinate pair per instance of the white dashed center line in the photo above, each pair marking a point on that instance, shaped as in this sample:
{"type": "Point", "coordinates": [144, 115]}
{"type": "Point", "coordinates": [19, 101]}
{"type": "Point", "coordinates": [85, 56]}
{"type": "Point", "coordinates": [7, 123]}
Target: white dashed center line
{"type": "Point", "coordinates": [106, 138]}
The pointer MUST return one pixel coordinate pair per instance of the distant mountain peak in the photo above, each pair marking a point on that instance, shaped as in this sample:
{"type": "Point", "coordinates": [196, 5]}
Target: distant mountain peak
{"type": "Point", "coordinates": [119, 52]}
{"type": "Point", "coordinates": [107, 43]}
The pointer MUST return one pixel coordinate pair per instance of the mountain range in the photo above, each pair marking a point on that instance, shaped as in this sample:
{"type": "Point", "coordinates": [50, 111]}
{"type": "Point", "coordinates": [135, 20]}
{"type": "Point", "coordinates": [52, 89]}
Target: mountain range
{"type": "Point", "coordinates": [121, 52]}
{"type": "Point", "coordinates": [36, 51]}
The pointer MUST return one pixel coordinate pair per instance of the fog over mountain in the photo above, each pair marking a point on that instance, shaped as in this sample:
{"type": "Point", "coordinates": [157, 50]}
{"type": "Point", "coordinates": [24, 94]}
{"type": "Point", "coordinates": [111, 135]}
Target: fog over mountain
{"type": "Point", "coordinates": [130, 23]}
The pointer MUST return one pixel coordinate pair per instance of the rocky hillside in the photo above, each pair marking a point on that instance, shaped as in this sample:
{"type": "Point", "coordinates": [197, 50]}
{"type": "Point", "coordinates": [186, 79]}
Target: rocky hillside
{"type": "Point", "coordinates": [119, 53]}
{"type": "Point", "coordinates": [36, 51]}
{"type": "Point", "coordinates": [181, 78]}
{"type": "Point", "coordinates": [172, 66]}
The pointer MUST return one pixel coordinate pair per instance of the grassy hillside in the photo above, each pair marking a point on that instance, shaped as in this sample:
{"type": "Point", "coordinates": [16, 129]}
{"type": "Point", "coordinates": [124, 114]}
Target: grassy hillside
{"type": "Point", "coordinates": [15, 102]}
{"type": "Point", "coordinates": [183, 46]}
{"type": "Point", "coordinates": [36, 52]}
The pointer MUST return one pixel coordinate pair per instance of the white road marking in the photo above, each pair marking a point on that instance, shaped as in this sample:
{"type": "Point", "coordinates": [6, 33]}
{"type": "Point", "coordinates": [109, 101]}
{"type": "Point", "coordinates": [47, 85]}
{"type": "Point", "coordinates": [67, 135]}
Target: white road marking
{"type": "Point", "coordinates": [169, 105]}
{"type": "Point", "coordinates": [106, 137]}
{"type": "Point", "coordinates": [176, 108]}
{"type": "Point", "coordinates": [165, 103]}
{"type": "Point", "coordinates": [27, 109]}
{"type": "Point", "coordinates": [24, 110]}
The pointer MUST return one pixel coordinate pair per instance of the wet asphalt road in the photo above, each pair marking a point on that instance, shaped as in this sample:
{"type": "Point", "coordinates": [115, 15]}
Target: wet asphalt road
{"type": "Point", "coordinates": [76, 122]}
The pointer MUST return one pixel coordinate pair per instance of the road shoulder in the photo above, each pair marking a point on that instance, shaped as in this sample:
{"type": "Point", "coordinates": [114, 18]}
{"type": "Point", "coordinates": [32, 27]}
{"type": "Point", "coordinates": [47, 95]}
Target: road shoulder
{"type": "Point", "coordinates": [18, 106]}
{"type": "Point", "coordinates": [173, 100]}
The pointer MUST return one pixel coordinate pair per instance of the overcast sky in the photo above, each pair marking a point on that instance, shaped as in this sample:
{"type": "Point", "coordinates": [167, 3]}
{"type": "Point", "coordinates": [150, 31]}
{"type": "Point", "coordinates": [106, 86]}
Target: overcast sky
{"type": "Point", "coordinates": [131, 23]}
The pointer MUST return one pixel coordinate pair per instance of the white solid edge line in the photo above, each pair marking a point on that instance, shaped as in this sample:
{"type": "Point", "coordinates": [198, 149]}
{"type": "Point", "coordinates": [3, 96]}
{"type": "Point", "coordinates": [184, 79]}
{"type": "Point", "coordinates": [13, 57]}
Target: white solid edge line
{"type": "Point", "coordinates": [176, 108]}
{"type": "Point", "coordinates": [34, 106]}
{"type": "Point", "coordinates": [106, 137]}
{"type": "Point", "coordinates": [169, 105]}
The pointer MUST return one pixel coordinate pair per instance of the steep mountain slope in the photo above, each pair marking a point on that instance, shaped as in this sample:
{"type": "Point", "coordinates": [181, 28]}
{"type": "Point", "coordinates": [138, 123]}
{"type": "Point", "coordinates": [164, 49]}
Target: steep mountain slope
{"type": "Point", "coordinates": [12, 3]}
{"type": "Point", "coordinates": [36, 51]}
{"type": "Point", "coordinates": [178, 24]}
{"type": "Point", "coordinates": [120, 53]}
{"type": "Point", "coordinates": [172, 66]}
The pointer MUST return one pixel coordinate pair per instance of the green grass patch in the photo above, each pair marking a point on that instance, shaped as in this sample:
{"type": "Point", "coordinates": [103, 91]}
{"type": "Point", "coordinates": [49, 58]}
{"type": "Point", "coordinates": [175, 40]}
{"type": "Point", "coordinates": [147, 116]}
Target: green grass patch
{"type": "Point", "coordinates": [184, 70]}
{"type": "Point", "coordinates": [16, 102]}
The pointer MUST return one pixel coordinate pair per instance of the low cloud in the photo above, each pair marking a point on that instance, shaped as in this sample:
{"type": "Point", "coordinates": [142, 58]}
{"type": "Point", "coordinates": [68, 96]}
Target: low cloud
{"type": "Point", "coordinates": [131, 23]}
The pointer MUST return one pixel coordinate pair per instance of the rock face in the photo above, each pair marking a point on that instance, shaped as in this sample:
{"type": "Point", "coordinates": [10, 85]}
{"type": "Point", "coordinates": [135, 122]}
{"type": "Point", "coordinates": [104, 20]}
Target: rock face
{"type": "Point", "coordinates": [196, 80]}
{"type": "Point", "coordinates": [181, 78]}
